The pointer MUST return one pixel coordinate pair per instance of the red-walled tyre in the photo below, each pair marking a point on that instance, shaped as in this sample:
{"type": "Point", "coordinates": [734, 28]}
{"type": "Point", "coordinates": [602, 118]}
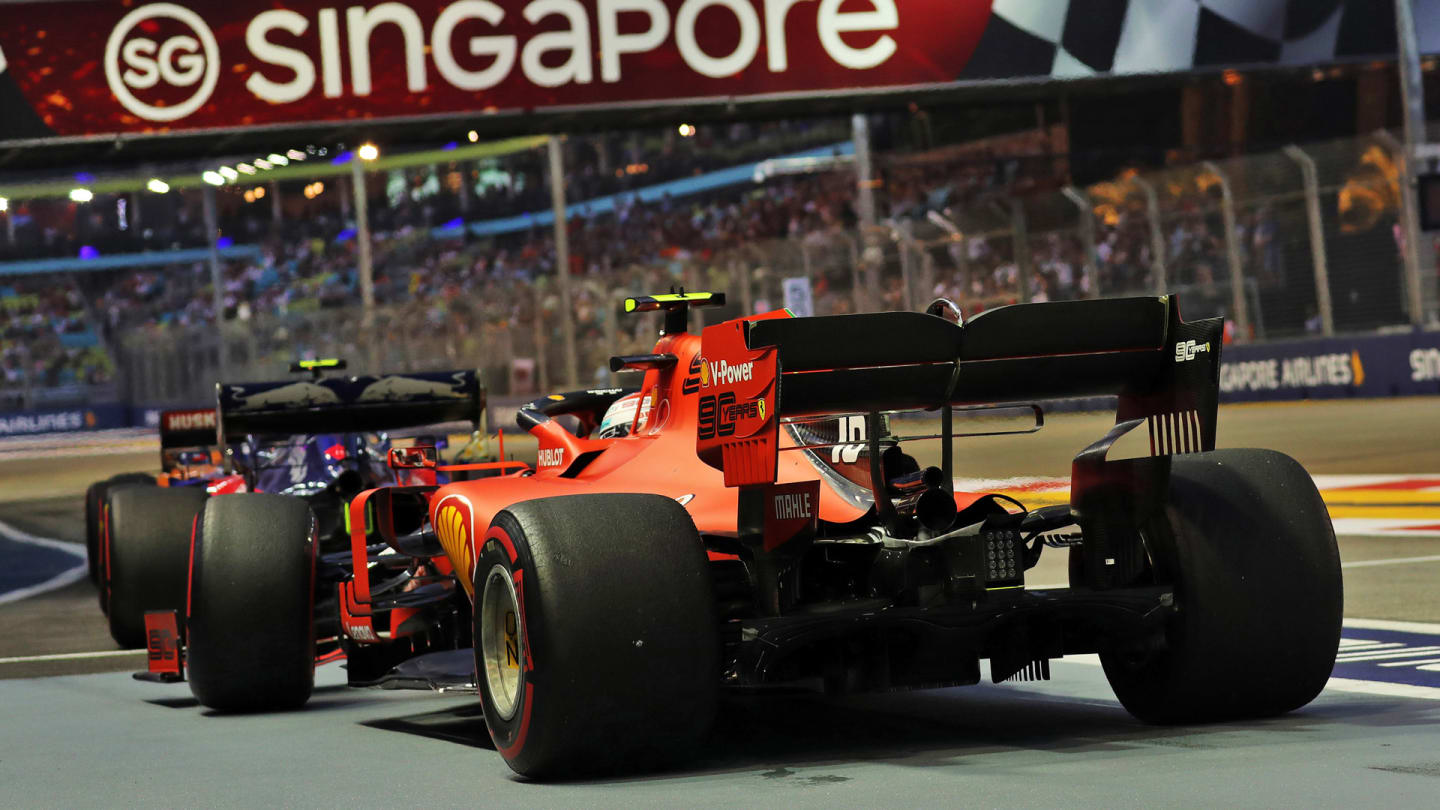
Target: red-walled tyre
{"type": "Point", "coordinates": [94, 508]}
{"type": "Point", "coordinates": [148, 553]}
{"type": "Point", "coordinates": [250, 635]}
{"type": "Point", "coordinates": [597, 647]}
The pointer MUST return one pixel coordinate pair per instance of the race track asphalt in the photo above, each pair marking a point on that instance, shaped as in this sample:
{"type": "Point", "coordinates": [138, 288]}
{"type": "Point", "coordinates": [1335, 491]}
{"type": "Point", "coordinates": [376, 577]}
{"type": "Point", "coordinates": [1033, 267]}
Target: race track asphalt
{"type": "Point", "coordinates": [68, 738]}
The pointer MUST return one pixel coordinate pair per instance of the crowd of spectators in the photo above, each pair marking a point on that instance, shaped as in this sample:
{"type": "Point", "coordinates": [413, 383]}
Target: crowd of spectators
{"type": "Point", "coordinates": [495, 298]}
{"type": "Point", "coordinates": [47, 337]}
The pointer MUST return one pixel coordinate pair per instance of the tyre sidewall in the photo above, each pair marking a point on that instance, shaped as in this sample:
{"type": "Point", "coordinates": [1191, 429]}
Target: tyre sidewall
{"type": "Point", "coordinates": [1247, 543]}
{"type": "Point", "coordinates": [505, 546]}
{"type": "Point", "coordinates": [250, 623]}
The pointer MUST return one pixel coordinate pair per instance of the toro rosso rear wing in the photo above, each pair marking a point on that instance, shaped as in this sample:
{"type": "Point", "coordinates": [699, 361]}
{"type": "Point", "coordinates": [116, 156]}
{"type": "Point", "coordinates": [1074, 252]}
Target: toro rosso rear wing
{"type": "Point", "coordinates": [1163, 370]}
{"type": "Point", "coordinates": [349, 404]}
{"type": "Point", "coordinates": [187, 428]}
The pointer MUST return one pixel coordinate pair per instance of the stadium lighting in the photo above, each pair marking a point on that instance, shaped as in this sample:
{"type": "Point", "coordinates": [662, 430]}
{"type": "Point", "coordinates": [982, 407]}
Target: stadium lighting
{"type": "Point", "coordinates": [263, 165]}
{"type": "Point", "coordinates": [687, 130]}
{"type": "Point", "coordinates": [157, 185]}
{"type": "Point", "coordinates": [229, 173]}
{"type": "Point", "coordinates": [259, 192]}
{"type": "Point", "coordinates": [213, 178]}
{"type": "Point", "coordinates": [4, 205]}
{"type": "Point", "coordinates": [81, 195]}
{"type": "Point", "coordinates": [473, 136]}
{"type": "Point", "coordinates": [278, 160]}
{"type": "Point", "coordinates": [368, 152]}
{"type": "Point", "coordinates": [245, 168]}
{"type": "Point", "coordinates": [295, 154]}
{"type": "Point", "coordinates": [250, 196]}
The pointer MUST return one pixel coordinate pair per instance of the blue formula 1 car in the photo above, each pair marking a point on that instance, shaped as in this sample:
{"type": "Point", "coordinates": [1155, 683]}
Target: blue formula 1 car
{"type": "Point", "coordinates": [322, 440]}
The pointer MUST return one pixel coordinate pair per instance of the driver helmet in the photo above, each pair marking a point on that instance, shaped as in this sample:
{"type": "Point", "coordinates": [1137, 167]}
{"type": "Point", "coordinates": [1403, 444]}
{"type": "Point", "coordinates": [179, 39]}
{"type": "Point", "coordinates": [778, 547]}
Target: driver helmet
{"type": "Point", "coordinates": [619, 417]}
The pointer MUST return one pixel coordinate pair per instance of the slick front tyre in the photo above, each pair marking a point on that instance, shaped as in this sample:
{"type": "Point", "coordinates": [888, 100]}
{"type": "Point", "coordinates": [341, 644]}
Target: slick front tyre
{"type": "Point", "coordinates": [94, 529]}
{"type": "Point", "coordinates": [148, 554]}
{"type": "Point", "coordinates": [1248, 545]}
{"type": "Point", "coordinates": [597, 648]}
{"type": "Point", "coordinates": [250, 633]}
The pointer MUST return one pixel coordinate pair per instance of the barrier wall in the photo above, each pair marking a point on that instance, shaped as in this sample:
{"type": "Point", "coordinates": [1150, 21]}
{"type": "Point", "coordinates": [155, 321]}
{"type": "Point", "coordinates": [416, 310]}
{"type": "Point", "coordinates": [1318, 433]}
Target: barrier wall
{"type": "Point", "coordinates": [95, 417]}
{"type": "Point", "coordinates": [1332, 368]}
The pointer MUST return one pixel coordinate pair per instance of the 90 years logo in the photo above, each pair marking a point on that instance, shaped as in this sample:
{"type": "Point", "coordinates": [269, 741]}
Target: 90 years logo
{"type": "Point", "coordinates": [141, 64]}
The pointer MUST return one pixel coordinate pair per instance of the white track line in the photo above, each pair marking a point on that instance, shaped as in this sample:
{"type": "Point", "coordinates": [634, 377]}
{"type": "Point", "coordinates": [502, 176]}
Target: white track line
{"type": "Point", "coordinates": [1383, 688]}
{"type": "Point", "coordinates": [1391, 561]}
{"type": "Point", "coordinates": [60, 580]}
{"type": "Point", "coordinates": [1387, 624]}
{"type": "Point", "coordinates": [29, 659]}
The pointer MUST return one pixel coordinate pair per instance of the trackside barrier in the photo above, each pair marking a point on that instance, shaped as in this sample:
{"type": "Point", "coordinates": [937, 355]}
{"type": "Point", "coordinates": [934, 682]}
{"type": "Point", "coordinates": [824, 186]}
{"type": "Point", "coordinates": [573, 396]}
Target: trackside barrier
{"type": "Point", "coordinates": [94, 417]}
{"type": "Point", "coordinates": [1332, 368]}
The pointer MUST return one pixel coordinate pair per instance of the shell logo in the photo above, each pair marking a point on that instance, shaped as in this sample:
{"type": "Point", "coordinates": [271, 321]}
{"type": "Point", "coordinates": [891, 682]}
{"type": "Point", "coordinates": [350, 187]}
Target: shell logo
{"type": "Point", "coordinates": [452, 528]}
{"type": "Point", "coordinates": [704, 373]}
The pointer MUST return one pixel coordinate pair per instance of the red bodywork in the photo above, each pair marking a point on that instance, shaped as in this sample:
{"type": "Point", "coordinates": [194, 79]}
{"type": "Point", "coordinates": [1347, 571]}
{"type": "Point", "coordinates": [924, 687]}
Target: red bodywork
{"type": "Point", "coordinates": [658, 457]}
{"type": "Point", "coordinates": [669, 452]}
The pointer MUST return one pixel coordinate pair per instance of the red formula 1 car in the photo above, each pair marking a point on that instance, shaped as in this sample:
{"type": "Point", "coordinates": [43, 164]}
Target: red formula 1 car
{"type": "Point", "coordinates": [760, 522]}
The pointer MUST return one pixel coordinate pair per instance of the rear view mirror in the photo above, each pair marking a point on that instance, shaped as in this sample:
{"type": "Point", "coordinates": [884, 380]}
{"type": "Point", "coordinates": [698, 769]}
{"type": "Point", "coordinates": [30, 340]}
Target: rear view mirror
{"type": "Point", "coordinates": [413, 458]}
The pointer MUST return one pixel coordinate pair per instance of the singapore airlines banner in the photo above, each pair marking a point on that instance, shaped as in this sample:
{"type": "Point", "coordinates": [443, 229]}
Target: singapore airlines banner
{"type": "Point", "coordinates": [104, 68]}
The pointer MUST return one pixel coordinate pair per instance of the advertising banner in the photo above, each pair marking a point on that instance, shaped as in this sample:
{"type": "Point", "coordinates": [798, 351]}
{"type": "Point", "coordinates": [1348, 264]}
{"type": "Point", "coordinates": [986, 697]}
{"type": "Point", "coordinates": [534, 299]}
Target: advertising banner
{"type": "Point", "coordinates": [1359, 366]}
{"type": "Point", "coordinates": [97, 417]}
{"type": "Point", "coordinates": [173, 66]}
{"type": "Point", "coordinates": [93, 68]}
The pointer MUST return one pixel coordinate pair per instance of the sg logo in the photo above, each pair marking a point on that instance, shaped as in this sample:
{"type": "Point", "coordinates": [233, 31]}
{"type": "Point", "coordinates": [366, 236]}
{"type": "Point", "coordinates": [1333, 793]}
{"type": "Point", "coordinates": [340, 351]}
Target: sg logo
{"type": "Point", "coordinates": [181, 61]}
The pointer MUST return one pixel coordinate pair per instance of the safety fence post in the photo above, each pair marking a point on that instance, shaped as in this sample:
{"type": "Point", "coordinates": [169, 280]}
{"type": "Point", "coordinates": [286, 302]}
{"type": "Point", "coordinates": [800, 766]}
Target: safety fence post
{"type": "Point", "coordinates": [542, 363]}
{"type": "Point", "coordinates": [1020, 234]}
{"type": "Point", "coordinates": [217, 278]}
{"type": "Point", "coordinates": [562, 258]}
{"type": "Point", "coordinates": [1410, 226]}
{"type": "Point", "coordinates": [362, 238]}
{"type": "Point", "coordinates": [612, 330]}
{"type": "Point", "coordinates": [1090, 270]}
{"type": "Point", "coordinates": [1239, 307]}
{"type": "Point", "coordinates": [1319, 259]}
{"type": "Point", "coordinates": [1157, 238]}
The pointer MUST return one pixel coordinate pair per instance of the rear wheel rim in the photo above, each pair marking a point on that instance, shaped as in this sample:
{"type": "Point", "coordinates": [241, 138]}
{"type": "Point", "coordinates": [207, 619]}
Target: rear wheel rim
{"type": "Point", "coordinates": [502, 641]}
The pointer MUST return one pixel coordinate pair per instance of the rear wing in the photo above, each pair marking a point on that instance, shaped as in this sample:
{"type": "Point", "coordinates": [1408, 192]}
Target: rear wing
{"type": "Point", "coordinates": [1163, 370]}
{"type": "Point", "coordinates": [349, 404]}
{"type": "Point", "coordinates": [187, 428]}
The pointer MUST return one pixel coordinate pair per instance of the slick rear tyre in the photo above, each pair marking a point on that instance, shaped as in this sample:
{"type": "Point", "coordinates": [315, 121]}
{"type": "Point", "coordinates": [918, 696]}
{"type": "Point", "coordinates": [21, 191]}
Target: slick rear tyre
{"type": "Point", "coordinates": [1248, 545]}
{"type": "Point", "coordinates": [148, 555]}
{"type": "Point", "coordinates": [250, 634]}
{"type": "Point", "coordinates": [94, 508]}
{"type": "Point", "coordinates": [596, 641]}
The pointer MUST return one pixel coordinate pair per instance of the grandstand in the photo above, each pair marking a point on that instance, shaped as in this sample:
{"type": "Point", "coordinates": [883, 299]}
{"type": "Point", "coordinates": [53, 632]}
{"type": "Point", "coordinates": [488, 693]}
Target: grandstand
{"type": "Point", "coordinates": [1145, 181]}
